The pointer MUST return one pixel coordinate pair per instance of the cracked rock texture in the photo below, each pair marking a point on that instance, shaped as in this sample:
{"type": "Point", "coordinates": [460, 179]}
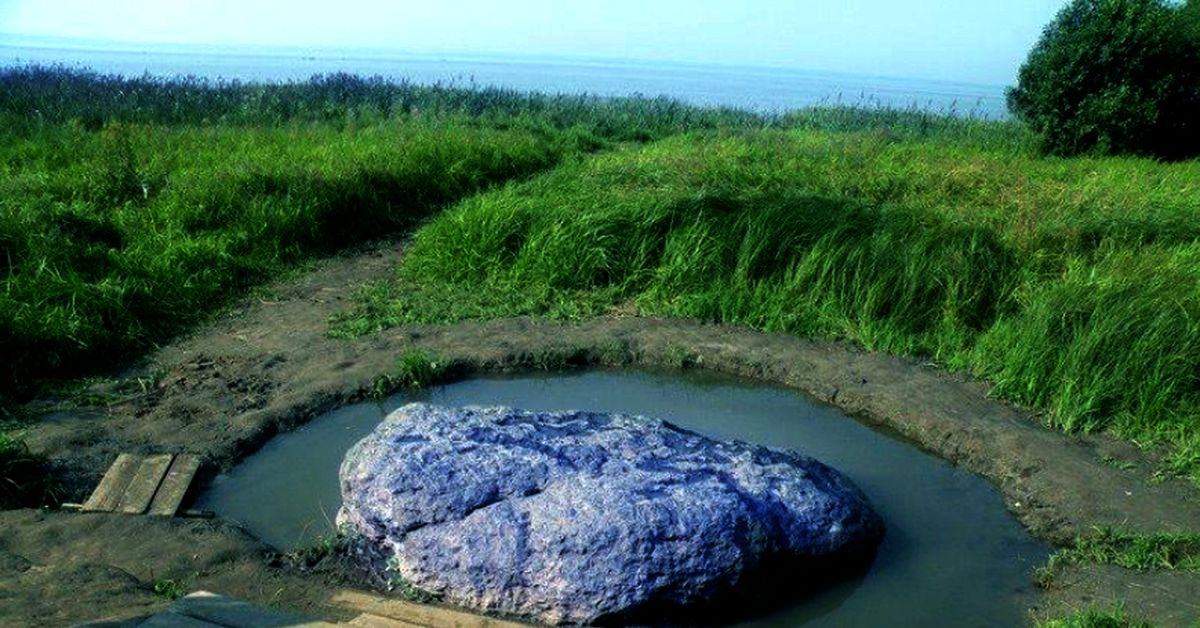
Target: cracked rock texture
{"type": "Point", "coordinates": [578, 517]}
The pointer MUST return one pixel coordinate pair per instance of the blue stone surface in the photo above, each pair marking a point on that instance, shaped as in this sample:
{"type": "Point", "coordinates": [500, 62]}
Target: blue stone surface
{"type": "Point", "coordinates": [575, 517]}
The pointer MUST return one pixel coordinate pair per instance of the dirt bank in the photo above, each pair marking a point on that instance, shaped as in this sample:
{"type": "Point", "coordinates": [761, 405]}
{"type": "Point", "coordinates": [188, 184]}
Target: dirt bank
{"type": "Point", "coordinates": [267, 366]}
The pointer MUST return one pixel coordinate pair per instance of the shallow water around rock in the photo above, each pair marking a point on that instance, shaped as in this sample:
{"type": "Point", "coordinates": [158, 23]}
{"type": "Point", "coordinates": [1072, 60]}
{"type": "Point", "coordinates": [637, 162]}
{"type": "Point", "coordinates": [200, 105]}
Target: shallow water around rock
{"type": "Point", "coordinates": [952, 556]}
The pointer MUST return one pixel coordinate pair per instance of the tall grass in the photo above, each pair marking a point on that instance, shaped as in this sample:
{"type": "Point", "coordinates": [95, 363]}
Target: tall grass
{"type": "Point", "coordinates": [129, 207]}
{"type": "Point", "coordinates": [34, 96]}
{"type": "Point", "coordinates": [115, 239]}
{"type": "Point", "coordinates": [1073, 284]}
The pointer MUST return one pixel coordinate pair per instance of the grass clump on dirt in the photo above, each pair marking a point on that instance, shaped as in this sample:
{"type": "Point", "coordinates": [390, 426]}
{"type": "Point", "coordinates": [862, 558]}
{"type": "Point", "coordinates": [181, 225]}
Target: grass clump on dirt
{"type": "Point", "coordinates": [414, 370]}
{"type": "Point", "coordinates": [1107, 546]}
{"type": "Point", "coordinates": [439, 303]}
{"type": "Point", "coordinates": [169, 588]}
{"type": "Point", "coordinates": [1095, 618]}
{"type": "Point", "coordinates": [1074, 284]}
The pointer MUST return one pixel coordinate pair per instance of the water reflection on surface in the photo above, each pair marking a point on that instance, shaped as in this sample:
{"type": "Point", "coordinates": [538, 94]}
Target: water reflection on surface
{"type": "Point", "coordinates": [952, 555]}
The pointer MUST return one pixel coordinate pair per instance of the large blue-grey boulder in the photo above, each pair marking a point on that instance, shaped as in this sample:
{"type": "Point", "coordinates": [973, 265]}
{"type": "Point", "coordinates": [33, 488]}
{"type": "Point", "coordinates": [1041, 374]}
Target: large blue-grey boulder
{"type": "Point", "coordinates": [576, 517]}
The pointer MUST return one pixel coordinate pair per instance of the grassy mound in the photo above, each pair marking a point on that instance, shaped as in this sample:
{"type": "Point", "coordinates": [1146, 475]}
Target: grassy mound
{"type": "Point", "coordinates": [1073, 284]}
{"type": "Point", "coordinates": [131, 207]}
{"type": "Point", "coordinates": [118, 238]}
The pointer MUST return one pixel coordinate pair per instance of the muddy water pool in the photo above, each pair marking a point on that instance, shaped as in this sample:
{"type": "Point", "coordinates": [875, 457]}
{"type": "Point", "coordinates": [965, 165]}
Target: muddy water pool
{"type": "Point", "coordinates": [953, 555]}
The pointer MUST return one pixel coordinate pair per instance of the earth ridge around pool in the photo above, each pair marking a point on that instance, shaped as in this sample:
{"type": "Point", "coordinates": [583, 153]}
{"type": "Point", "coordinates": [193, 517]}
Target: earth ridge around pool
{"type": "Point", "coordinates": [266, 365]}
{"type": "Point", "coordinates": [577, 517]}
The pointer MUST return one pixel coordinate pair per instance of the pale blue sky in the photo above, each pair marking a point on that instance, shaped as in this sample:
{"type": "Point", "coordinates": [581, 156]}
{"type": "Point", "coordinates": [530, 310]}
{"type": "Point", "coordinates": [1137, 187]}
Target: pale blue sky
{"type": "Point", "coordinates": [981, 41]}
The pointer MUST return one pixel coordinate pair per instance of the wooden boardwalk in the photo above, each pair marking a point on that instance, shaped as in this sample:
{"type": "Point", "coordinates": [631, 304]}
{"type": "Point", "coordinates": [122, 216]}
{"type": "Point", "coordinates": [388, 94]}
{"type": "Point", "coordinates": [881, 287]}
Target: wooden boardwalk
{"type": "Point", "coordinates": [382, 612]}
{"type": "Point", "coordinates": [139, 484]}
{"type": "Point", "coordinates": [209, 610]}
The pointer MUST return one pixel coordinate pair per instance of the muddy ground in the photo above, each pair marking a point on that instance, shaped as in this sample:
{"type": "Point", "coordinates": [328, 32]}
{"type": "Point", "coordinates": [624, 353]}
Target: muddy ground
{"type": "Point", "coordinates": [267, 366]}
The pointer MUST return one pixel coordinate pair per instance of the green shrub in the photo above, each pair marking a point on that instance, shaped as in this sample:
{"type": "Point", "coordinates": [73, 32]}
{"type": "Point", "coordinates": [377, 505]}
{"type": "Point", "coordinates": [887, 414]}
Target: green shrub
{"type": "Point", "coordinates": [1114, 76]}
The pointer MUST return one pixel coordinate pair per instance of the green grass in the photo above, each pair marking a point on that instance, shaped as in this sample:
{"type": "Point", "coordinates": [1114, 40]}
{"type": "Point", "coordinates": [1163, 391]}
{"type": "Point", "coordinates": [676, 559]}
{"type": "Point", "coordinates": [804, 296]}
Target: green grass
{"type": "Point", "coordinates": [1074, 285]}
{"type": "Point", "coordinates": [414, 370]}
{"type": "Point", "coordinates": [1095, 618]}
{"type": "Point", "coordinates": [169, 588]}
{"type": "Point", "coordinates": [1107, 546]}
{"type": "Point", "coordinates": [32, 97]}
{"type": "Point", "coordinates": [443, 302]}
{"type": "Point", "coordinates": [131, 208]}
{"type": "Point", "coordinates": [138, 231]}
{"type": "Point", "coordinates": [310, 555]}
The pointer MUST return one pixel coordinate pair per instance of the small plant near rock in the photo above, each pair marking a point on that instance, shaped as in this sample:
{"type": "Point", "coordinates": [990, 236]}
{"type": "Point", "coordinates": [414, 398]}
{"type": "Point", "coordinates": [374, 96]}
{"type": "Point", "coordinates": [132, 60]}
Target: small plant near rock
{"type": "Point", "coordinates": [398, 584]}
{"type": "Point", "coordinates": [416, 369]}
{"type": "Point", "coordinates": [309, 556]}
{"type": "Point", "coordinates": [169, 588]}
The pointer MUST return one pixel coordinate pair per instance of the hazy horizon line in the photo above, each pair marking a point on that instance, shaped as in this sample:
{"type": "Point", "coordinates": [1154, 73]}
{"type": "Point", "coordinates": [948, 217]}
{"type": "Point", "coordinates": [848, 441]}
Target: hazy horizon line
{"type": "Point", "coordinates": [91, 44]}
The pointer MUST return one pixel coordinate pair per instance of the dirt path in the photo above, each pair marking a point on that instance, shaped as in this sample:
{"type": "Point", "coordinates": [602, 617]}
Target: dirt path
{"type": "Point", "coordinates": [267, 366]}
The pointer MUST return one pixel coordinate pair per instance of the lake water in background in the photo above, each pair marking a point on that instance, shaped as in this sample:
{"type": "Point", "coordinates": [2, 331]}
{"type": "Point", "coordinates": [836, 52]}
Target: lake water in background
{"type": "Point", "coordinates": [758, 89]}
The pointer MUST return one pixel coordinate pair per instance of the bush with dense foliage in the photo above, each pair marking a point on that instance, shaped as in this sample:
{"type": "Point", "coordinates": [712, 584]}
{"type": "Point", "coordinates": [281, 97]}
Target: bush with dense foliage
{"type": "Point", "coordinates": [1115, 76]}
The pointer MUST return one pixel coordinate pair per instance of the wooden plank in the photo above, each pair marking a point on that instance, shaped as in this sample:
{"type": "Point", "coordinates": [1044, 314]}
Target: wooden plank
{"type": "Point", "coordinates": [419, 614]}
{"type": "Point", "coordinates": [174, 486]}
{"type": "Point", "coordinates": [108, 493]}
{"type": "Point", "coordinates": [224, 611]}
{"type": "Point", "coordinates": [145, 483]}
{"type": "Point", "coordinates": [171, 619]}
{"type": "Point", "coordinates": [124, 622]}
{"type": "Point", "coordinates": [367, 620]}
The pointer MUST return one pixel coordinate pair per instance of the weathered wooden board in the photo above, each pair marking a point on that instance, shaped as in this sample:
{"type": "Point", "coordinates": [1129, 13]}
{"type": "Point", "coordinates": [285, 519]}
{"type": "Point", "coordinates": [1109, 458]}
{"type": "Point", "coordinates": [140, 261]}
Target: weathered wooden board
{"type": "Point", "coordinates": [223, 611]}
{"type": "Point", "coordinates": [174, 486]}
{"type": "Point", "coordinates": [170, 619]}
{"type": "Point", "coordinates": [145, 484]}
{"type": "Point", "coordinates": [136, 483]}
{"type": "Point", "coordinates": [108, 493]}
{"type": "Point", "coordinates": [416, 614]}
{"type": "Point", "coordinates": [366, 620]}
{"type": "Point", "coordinates": [116, 622]}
